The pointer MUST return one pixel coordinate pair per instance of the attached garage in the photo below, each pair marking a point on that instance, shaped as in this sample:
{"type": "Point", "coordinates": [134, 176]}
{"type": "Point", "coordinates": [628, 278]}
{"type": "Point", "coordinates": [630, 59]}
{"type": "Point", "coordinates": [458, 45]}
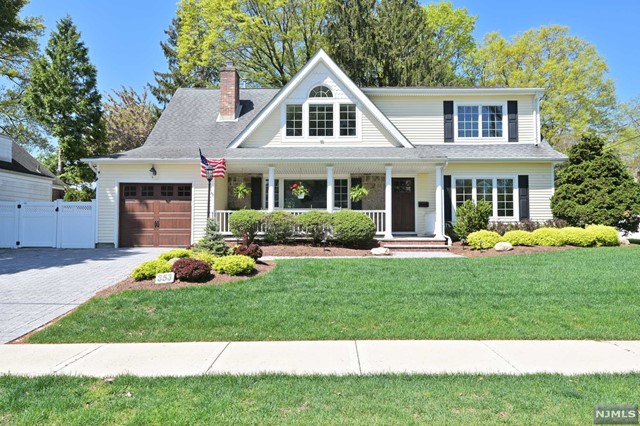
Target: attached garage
{"type": "Point", "coordinates": [155, 215]}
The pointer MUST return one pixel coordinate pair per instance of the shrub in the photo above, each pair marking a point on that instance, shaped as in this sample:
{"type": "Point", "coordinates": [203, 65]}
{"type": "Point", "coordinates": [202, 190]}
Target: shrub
{"type": "Point", "coordinates": [234, 265]}
{"type": "Point", "coordinates": [578, 237]}
{"type": "Point", "coordinates": [519, 238]}
{"type": "Point", "coordinates": [483, 239]}
{"type": "Point", "coordinates": [604, 235]}
{"type": "Point", "coordinates": [205, 256]}
{"type": "Point", "coordinates": [556, 223]}
{"type": "Point", "coordinates": [279, 227]}
{"type": "Point", "coordinates": [316, 224]}
{"type": "Point", "coordinates": [177, 253]}
{"type": "Point", "coordinates": [472, 217]}
{"type": "Point", "coordinates": [352, 228]}
{"type": "Point", "coordinates": [213, 241]}
{"type": "Point", "coordinates": [548, 237]}
{"type": "Point", "coordinates": [149, 270]}
{"type": "Point", "coordinates": [192, 270]}
{"type": "Point", "coordinates": [245, 222]}
{"type": "Point", "coordinates": [252, 250]}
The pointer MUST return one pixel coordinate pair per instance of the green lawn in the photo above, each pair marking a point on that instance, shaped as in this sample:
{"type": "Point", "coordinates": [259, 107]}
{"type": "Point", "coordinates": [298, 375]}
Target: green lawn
{"type": "Point", "coordinates": [269, 400]}
{"type": "Point", "coordinates": [573, 294]}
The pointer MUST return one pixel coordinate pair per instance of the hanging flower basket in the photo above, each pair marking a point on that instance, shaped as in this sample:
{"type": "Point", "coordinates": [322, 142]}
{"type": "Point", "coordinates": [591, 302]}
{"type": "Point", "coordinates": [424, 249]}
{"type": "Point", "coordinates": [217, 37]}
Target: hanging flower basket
{"type": "Point", "coordinates": [298, 190]}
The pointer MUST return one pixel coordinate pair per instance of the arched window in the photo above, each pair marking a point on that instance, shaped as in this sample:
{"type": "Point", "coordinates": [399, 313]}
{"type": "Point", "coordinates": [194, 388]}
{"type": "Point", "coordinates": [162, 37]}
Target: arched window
{"type": "Point", "coordinates": [321, 92]}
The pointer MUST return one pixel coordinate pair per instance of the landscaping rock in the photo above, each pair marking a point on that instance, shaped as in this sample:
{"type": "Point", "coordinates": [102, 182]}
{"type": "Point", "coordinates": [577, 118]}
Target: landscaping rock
{"type": "Point", "coordinates": [173, 260]}
{"type": "Point", "coordinates": [380, 251]}
{"type": "Point", "coordinates": [503, 246]}
{"type": "Point", "coordinates": [623, 241]}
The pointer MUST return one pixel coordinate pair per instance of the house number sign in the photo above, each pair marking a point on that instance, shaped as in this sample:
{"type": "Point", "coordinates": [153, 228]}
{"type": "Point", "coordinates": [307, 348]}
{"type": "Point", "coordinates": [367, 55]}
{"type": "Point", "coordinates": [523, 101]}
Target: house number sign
{"type": "Point", "coordinates": [166, 278]}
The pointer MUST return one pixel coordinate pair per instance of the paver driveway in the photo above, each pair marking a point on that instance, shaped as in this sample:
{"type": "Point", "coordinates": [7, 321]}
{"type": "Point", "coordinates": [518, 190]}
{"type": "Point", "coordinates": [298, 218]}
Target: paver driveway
{"type": "Point", "coordinates": [38, 285]}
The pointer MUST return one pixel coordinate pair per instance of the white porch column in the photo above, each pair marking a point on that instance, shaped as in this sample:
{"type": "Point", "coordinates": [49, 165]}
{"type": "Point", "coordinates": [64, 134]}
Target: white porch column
{"type": "Point", "coordinates": [330, 194]}
{"type": "Point", "coordinates": [271, 192]}
{"type": "Point", "coordinates": [387, 203]}
{"type": "Point", "coordinates": [439, 224]}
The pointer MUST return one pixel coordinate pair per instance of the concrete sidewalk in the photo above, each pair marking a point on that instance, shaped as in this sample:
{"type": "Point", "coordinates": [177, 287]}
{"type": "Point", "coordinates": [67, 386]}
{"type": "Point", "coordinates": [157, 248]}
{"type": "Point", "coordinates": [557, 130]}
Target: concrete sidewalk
{"type": "Point", "coordinates": [345, 357]}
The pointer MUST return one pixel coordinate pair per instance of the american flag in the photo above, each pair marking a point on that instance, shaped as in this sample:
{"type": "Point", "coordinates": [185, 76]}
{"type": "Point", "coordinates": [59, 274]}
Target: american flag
{"type": "Point", "coordinates": [219, 166]}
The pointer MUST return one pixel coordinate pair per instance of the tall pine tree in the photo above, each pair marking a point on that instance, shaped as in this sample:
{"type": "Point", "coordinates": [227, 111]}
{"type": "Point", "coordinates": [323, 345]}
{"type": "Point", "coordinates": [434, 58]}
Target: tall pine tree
{"type": "Point", "coordinates": [166, 83]}
{"type": "Point", "coordinates": [63, 96]}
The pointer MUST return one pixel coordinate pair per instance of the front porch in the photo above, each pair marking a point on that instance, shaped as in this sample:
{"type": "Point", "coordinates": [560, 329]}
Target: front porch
{"type": "Point", "coordinates": [403, 200]}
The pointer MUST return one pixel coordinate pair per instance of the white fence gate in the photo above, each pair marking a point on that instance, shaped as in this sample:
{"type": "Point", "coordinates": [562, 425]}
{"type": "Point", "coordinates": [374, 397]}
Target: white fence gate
{"type": "Point", "coordinates": [59, 224]}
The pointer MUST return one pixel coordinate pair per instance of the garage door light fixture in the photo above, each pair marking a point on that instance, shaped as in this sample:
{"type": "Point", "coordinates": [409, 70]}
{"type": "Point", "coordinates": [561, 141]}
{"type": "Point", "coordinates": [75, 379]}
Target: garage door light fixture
{"type": "Point", "coordinates": [153, 171]}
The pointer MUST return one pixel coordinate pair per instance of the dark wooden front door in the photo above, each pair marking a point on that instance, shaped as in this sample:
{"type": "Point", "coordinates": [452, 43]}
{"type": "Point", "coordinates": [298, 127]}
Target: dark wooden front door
{"type": "Point", "coordinates": [403, 205]}
{"type": "Point", "coordinates": [155, 215]}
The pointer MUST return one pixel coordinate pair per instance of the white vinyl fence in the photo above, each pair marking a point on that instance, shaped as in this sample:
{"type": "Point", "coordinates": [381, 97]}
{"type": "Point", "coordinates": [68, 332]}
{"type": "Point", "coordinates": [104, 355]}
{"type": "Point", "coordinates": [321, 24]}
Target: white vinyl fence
{"type": "Point", "coordinates": [58, 224]}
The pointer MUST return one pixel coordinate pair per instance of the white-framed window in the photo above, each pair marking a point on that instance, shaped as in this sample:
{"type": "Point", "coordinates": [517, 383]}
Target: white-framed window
{"type": "Point", "coordinates": [317, 198]}
{"type": "Point", "coordinates": [500, 192]}
{"type": "Point", "coordinates": [341, 193]}
{"type": "Point", "coordinates": [478, 122]}
{"type": "Point", "coordinates": [276, 193]}
{"type": "Point", "coordinates": [321, 116]}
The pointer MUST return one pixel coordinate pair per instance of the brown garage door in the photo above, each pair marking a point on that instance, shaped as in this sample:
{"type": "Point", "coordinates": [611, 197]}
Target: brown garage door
{"type": "Point", "coordinates": [155, 215]}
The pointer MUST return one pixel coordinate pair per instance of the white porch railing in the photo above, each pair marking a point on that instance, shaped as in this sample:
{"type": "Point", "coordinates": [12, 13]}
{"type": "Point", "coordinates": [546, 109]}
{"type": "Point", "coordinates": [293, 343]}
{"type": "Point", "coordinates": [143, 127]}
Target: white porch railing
{"type": "Point", "coordinates": [222, 219]}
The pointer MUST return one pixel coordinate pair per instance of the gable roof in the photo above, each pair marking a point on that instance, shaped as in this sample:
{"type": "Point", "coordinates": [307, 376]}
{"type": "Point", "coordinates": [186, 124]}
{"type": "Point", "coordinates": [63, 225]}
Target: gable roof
{"type": "Point", "coordinates": [321, 57]}
{"type": "Point", "coordinates": [23, 162]}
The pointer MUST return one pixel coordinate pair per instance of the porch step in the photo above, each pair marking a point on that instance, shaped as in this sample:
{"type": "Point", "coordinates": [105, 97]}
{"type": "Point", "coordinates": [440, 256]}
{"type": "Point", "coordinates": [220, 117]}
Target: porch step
{"type": "Point", "coordinates": [414, 241]}
{"type": "Point", "coordinates": [417, 247]}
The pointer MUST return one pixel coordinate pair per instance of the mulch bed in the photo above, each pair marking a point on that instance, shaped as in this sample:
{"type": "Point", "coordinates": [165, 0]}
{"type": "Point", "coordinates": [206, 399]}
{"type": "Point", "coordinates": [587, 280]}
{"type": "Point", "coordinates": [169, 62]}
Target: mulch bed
{"type": "Point", "coordinates": [305, 249]}
{"type": "Point", "coordinates": [131, 284]}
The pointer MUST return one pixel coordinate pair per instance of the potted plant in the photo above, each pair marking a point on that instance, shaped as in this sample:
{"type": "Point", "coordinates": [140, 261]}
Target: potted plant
{"type": "Point", "coordinates": [358, 192]}
{"type": "Point", "coordinates": [298, 190]}
{"type": "Point", "coordinates": [241, 191]}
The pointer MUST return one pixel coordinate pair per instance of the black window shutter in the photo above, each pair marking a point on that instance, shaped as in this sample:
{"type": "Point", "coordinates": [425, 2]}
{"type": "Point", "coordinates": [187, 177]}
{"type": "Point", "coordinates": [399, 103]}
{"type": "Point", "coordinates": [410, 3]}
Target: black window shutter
{"type": "Point", "coordinates": [256, 193]}
{"type": "Point", "coordinates": [356, 205]}
{"type": "Point", "coordinates": [512, 112]}
{"type": "Point", "coordinates": [523, 185]}
{"type": "Point", "coordinates": [448, 216]}
{"type": "Point", "coordinates": [447, 107]}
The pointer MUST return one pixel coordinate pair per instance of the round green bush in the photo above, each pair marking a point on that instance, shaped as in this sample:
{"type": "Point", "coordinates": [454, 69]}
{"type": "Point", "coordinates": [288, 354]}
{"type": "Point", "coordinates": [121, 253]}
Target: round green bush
{"type": "Point", "coordinates": [604, 235]}
{"type": "Point", "coordinates": [519, 238]}
{"type": "Point", "coordinates": [316, 224]}
{"type": "Point", "coordinates": [352, 228]}
{"type": "Point", "coordinates": [483, 239]}
{"type": "Point", "coordinates": [279, 227]}
{"type": "Point", "coordinates": [205, 256]}
{"type": "Point", "coordinates": [245, 222]}
{"type": "Point", "coordinates": [176, 253]}
{"type": "Point", "coordinates": [548, 237]}
{"type": "Point", "coordinates": [149, 270]}
{"type": "Point", "coordinates": [234, 265]}
{"type": "Point", "coordinates": [578, 237]}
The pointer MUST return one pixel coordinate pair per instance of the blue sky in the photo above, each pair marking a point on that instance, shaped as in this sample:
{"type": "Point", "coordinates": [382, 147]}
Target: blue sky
{"type": "Point", "coordinates": [123, 36]}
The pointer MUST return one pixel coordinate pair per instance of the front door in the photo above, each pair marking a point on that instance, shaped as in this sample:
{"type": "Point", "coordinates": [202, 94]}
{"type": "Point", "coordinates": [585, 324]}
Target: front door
{"type": "Point", "coordinates": [403, 205]}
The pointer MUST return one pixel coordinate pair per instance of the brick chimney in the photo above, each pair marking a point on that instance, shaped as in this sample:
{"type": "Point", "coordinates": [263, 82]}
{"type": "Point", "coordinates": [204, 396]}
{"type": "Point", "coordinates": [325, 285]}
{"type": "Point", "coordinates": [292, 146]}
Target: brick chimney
{"type": "Point", "coordinates": [229, 92]}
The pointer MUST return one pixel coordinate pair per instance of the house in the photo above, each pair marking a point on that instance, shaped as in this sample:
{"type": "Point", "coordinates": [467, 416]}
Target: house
{"type": "Point", "coordinates": [23, 178]}
{"type": "Point", "coordinates": [419, 151]}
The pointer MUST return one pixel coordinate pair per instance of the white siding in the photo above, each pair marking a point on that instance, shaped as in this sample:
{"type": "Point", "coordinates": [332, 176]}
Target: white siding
{"type": "Point", "coordinates": [425, 191]}
{"type": "Point", "coordinates": [111, 175]}
{"type": "Point", "coordinates": [23, 187]}
{"type": "Point", "coordinates": [421, 119]}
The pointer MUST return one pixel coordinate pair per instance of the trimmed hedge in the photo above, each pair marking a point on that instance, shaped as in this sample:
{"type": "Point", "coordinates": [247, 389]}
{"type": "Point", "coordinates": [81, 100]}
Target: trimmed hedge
{"type": "Point", "coordinates": [483, 239]}
{"type": "Point", "coordinates": [316, 224]}
{"type": "Point", "coordinates": [578, 237]}
{"type": "Point", "coordinates": [519, 238]}
{"type": "Point", "coordinates": [176, 253]}
{"type": "Point", "coordinates": [279, 227]}
{"type": "Point", "coordinates": [548, 237]}
{"type": "Point", "coordinates": [234, 265]}
{"type": "Point", "coordinates": [604, 235]}
{"type": "Point", "coordinates": [245, 222]}
{"type": "Point", "coordinates": [149, 270]}
{"type": "Point", "coordinates": [352, 228]}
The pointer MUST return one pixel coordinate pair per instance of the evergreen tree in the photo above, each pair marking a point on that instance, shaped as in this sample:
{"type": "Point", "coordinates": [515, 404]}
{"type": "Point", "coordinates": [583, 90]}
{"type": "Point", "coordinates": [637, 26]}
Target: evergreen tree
{"type": "Point", "coordinates": [166, 83]}
{"type": "Point", "coordinates": [18, 46]}
{"type": "Point", "coordinates": [212, 242]}
{"type": "Point", "coordinates": [594, 187]}
{"type": "Point", "coordinates": [62, 95]}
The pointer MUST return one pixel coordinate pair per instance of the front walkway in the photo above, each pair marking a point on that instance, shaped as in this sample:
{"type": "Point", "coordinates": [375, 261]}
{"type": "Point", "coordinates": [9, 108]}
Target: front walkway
{"type": "Point", "coordinates": [39, 285]}
{"type": "Point", "coordinates": [349, 357]}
